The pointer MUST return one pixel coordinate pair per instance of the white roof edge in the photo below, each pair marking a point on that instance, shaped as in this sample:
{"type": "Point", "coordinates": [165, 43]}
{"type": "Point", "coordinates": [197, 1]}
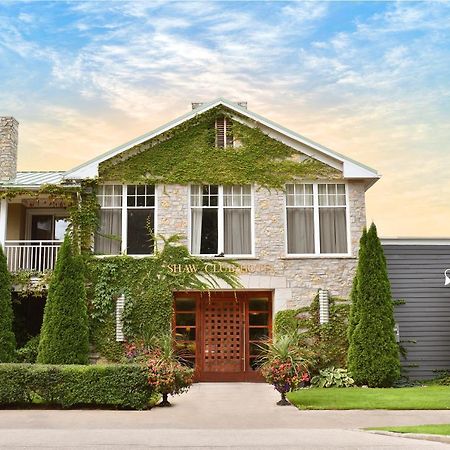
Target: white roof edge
{"type": "Point", "coordinates": [415, 240]}
{"type": "Point", "coordinates": [351, 168]}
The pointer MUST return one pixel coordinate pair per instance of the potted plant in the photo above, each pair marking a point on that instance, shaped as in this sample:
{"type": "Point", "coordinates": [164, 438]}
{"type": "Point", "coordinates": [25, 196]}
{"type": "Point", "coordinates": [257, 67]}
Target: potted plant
{"type": "Point", "coordinates": [284, 366]}
{"type": "Point", "coordinates": [166, 373]}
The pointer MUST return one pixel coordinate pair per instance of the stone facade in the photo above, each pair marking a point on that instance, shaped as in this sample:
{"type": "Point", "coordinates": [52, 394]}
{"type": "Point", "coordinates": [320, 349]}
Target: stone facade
{"type": "Point", "coordinates": [295, 281]}
{"type": "Point", "coordinates": [8, 148]}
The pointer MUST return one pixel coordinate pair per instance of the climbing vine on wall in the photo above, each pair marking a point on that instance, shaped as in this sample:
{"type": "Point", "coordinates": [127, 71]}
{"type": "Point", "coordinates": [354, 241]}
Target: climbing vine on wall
{"type": "Point", "coordinates": [80, 202]}
{"type": "Point", "coordinates": [187, 154]}
{"type": "Point", "coordinates": [148, 285]}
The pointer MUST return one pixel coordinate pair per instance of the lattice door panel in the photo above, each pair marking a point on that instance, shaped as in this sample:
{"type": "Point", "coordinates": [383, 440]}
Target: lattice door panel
{"type": "Point", "coordinates": [223, 340]}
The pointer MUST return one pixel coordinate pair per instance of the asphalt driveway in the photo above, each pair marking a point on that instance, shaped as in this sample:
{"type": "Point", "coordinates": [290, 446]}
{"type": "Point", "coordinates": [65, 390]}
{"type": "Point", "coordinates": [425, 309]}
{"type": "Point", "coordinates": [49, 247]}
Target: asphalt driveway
{"type": "Point", "coordinates": [212, 415]}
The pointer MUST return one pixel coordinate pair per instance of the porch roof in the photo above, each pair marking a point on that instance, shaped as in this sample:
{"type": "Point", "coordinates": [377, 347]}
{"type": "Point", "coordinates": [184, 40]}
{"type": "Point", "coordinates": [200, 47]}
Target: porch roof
{"type": "Point", "coordinates": [34, 179]}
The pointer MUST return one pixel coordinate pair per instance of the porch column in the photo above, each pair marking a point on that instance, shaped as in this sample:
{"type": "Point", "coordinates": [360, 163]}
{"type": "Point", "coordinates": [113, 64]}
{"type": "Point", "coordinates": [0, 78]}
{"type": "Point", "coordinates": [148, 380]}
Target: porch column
{"type": "Point", "coordinates": [3, 221]}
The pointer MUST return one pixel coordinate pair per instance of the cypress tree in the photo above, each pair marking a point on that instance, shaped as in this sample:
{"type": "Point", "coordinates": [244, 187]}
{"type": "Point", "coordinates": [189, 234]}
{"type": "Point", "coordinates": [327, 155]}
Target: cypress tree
{"type": "Point", "coordinates": [7, 338]}
{"type": "Point", "coordinates": [354, 309]}
{"type": "Point", "coordinates": [373, 356]}
{"type": "Point", "coordinates": [64, 333]}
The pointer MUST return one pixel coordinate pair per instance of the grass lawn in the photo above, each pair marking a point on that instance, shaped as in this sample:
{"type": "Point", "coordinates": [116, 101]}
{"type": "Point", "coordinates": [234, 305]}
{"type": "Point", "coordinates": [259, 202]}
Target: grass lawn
{"type": "Point", "coordinates": [429, 397]}
{"type": "Point", "coordinates": [420, 429]}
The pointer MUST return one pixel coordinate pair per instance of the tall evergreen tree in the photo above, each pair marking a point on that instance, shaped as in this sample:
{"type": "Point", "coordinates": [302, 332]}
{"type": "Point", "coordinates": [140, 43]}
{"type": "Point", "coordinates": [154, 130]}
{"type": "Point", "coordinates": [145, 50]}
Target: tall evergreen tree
{"type": "Point", "coordinates": [7, 338]}
{"type": "Point", "coordinates": [354, 309]}
{"type": "Point", "coordinates": [64, 333]}
{"type": "Point", "coordinates": [373, 356]}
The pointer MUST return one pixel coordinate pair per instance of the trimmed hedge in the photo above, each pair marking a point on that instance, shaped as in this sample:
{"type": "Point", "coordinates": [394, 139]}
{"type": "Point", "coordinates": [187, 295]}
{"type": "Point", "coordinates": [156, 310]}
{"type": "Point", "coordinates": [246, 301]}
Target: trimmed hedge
{"type": "Point", "coordinates": [122, 386]}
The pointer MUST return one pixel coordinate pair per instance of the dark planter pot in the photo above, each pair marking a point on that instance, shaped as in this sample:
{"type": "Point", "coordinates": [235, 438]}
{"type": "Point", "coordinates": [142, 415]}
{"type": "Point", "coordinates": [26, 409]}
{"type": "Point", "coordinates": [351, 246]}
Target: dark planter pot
{"type": "Point", "coordinates": [165, 402]}
{"type": "Point", "coordinates": [284, 401]}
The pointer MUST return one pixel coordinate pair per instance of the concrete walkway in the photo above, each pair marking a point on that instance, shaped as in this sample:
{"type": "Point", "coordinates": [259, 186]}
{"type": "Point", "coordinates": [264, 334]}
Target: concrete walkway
{"type": "Point", "coordinates": [212, 415]}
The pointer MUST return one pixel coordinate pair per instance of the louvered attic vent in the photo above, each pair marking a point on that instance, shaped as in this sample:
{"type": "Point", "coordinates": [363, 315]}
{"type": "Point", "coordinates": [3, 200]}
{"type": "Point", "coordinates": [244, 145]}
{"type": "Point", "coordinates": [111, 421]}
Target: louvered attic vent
{"type": "Point", "coordinates": [224, 136]}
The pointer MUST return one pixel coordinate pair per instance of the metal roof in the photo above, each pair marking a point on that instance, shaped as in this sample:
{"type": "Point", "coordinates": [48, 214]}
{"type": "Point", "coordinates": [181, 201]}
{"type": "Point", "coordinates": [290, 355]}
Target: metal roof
{"type": "Point", "coordinates": [34, 179]}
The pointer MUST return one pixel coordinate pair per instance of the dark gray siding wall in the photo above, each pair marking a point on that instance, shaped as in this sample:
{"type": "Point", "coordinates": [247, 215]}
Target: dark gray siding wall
{"type": "Point", "coordinates": [416, 273]}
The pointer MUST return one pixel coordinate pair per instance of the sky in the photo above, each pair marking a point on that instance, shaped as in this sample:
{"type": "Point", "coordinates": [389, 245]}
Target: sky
{"type": "Point", "coordinates": [370, 80]}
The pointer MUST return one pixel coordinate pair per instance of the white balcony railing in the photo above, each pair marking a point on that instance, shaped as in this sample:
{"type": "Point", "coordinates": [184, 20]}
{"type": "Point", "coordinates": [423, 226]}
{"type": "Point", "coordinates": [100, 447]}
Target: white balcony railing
{"type": "Point", "coordinates": [36, 256]}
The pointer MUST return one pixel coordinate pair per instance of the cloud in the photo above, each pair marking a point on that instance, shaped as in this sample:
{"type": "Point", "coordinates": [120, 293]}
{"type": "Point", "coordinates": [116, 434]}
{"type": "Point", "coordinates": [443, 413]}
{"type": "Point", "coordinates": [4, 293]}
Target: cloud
{"type": "Point", "coordinates": [83, 77]}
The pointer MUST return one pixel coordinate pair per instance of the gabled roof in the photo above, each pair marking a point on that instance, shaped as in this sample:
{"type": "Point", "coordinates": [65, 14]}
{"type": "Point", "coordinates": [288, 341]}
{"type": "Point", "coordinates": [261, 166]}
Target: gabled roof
{"type": "Point", "coordinates": [34, 179]}
{"type": "Point", "coordinates": [351, 169]}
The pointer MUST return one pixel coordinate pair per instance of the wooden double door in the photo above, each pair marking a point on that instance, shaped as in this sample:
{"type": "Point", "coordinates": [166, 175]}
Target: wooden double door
{"type": "Point", "coordinates": [220, 333]}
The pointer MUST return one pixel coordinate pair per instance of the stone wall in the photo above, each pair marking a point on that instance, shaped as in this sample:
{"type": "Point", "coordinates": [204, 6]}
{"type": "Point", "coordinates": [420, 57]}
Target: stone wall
{"type": "Point", "coordinates": [8, 148]}
{"type": "Point", "coordinates": [295, 281]}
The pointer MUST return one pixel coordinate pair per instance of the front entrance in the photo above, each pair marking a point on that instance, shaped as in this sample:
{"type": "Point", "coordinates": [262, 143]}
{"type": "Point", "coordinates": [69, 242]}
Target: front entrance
{"type": "Point", "coordinates": [219, 333]}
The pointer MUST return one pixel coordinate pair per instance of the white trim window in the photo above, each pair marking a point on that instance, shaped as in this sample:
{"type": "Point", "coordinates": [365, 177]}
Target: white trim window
{"type": "Point", "coordinates": [109, 237]}
{"type": "Point", "coordinates": [221, 220]}
{"type": "Point", "coordinates": [140, 219]}
{"type": "Point", "coordinates": [317, 219]}
{"type": "Point", "coordinates": [125, 227]}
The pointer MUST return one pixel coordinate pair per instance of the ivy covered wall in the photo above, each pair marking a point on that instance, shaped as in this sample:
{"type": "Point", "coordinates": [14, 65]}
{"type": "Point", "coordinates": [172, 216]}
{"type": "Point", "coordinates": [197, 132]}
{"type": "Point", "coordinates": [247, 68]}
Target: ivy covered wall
{"type": "Point", "coordinates": [187, 154]}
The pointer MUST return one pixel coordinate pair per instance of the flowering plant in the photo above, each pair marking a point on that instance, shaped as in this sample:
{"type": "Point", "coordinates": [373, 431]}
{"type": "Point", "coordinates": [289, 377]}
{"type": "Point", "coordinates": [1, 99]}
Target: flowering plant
{"type": "Point", "coordinates": [166, 374]}
{"type": "Point", "coordinates": [284, 366]}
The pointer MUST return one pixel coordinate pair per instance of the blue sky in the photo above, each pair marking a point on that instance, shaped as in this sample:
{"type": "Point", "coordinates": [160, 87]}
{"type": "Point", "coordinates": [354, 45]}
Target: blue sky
{"type": "Point", "coordinates": [368, 79]}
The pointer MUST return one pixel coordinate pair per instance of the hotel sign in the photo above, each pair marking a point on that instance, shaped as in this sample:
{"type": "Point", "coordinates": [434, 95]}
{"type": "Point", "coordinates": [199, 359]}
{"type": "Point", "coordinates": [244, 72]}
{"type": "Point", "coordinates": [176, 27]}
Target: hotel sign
{"type": "Point", "coordinates": [212, 268]}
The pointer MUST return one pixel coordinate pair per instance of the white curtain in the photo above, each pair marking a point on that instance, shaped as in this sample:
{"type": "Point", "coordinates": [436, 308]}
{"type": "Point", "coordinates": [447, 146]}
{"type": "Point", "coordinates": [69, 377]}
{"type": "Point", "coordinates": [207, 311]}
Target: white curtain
{"type": "Point", "coordinates": [108, 241]}
{"type": "Point", "coordinates": [333, 230]}
{"type": "Point", "coordinates": [237, 229]}
{"type": "Point", "coordinates": [300, 230]}
{"type": "Point", "coordinates": [196, 230]}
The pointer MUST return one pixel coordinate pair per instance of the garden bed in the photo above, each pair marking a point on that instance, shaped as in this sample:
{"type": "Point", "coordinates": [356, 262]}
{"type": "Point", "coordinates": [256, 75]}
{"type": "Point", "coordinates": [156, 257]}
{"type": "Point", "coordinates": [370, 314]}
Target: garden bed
{"type": "Point", "coordinates": [422, 397]}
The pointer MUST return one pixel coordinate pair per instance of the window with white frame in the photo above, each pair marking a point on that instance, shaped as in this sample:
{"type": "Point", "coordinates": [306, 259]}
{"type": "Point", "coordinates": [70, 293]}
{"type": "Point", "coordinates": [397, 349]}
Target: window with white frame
{"type": "Point", "coordinates": [221, 220]}
{"type": "Point", "coordinates": [140, 219]}
{"type": "Point", "coordinates": [125, 226]}
{"type": "Point", "coordinates": [108, 240]}
{"type": "Point", "coordinates": [316, 218]}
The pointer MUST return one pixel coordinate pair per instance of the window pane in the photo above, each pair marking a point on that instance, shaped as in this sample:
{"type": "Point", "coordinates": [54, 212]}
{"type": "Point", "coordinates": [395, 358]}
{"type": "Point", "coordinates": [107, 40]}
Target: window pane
{"type": "Point", "coordinates": [258, 318]}
{"type": "Point", "coordinates": [210, 195]}
{"type": "Point", "coordinates": [300, 230]}
{"type": "Point", "coordinates": [299, 195]}
{"type": "Point", "coordinates": [185, 304]}
{"type": "Point", "coordinates": [333, 230]}
{"type": "Point", "coordinates": [185, 334]}
{"type": "Point", "coordinates": [185, 319]}
{"type": "Point", "coordinates": [258, 334]}
{"type": "Point", "coordinates": [108, 240]}
{"type": "Point", "coordinates": [196, 199]}
{"type": "Point", "coordinates": [204, 237]}
{"type": "Point", "coordinates": [237, 231]}
{"type": "Point", "coordinates": [259, 304]}
{"type": "Point", "coordinates": [139, 241]}
{"type": "Point", "coordinates": [60, 228]}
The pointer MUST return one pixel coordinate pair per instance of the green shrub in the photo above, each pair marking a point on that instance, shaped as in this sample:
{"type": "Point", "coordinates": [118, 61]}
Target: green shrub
{"type": "Point", "coordinates": [28, 353]}
{"type": "Point", "coordinates": [7, 338]}
{"type": "Point", "coordinates": [373, 356]}
{"type": "Point", "coordinates": [119, 386]}
{"type": "Point", "coordinates": [64, 332]}
{"type": "Point", "coordinates": [326, 345]}
{"type": "Point", "coordinates": [332, 377]}
{"type": "Point", "coordinates": [286, 322]}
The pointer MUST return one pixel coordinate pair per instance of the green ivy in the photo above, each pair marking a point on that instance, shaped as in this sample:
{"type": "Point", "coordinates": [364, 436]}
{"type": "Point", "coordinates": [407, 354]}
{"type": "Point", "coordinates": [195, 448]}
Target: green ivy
{"type": "Point", "coordinates": [81, 204]}
{"type": "Point", "coordinates": [148, 285]}
{"type": "Point", "coordinates": [187, 154]}
{"type": "Point", "coordinates": [327, 343]}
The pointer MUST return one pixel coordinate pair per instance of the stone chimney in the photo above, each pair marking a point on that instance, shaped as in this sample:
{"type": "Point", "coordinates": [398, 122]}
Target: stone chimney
{"type": "Point", "coordinates": [196, 105]}
{"type": "Point", "coordinates": [8, 148]}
